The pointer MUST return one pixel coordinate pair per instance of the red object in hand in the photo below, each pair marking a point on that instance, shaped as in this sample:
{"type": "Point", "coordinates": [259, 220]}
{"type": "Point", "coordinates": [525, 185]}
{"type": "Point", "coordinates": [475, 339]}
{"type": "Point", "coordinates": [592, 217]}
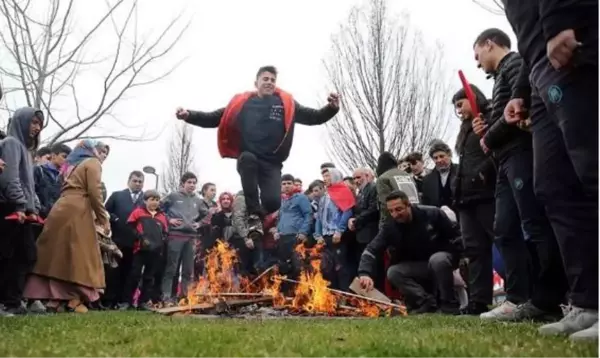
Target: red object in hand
{"type": "Point", "coordinates": [469, 92]}
{"type": "Point", "coordinates": [12, 216]}
{"type": "Point", "coordinates": [36, 220]}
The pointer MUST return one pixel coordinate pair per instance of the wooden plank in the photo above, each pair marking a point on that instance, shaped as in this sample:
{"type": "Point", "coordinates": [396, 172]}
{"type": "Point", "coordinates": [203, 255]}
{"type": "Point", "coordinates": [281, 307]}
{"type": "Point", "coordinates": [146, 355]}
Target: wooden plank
{"type": "Point", "coordinates": [206, 306]}
{"type": "Point", "coordinates": [175, 309]}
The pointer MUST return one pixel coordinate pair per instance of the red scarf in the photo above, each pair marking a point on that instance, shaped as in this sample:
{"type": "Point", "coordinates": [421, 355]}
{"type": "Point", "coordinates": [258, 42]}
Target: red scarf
{"type": "Point", "coordinates": [341, 196]}
{"type": "Point", "coordinates": [289, 195]}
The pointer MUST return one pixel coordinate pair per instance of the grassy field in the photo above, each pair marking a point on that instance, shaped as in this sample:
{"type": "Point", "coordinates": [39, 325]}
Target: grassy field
{"type": "Point", "coordinates": [148, 334]}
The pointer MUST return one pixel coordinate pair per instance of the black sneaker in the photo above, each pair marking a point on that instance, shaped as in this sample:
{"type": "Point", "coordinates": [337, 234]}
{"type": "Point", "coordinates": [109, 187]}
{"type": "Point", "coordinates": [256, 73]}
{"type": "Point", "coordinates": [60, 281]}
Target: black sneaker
{"type": "Point", "coordinates": [255, 226]}
{"type": "Point", "coordinates": [451, 310]}
{"type": "Point", "coordinates": [427, 307]}
{"type": "Point", "coordinates": [145, 307]}
{"type": "Point", "coordinates": [17, 310]}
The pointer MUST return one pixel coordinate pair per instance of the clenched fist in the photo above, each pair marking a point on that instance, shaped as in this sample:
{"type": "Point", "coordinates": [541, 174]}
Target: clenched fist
{"type": "Point", "coordinates": [182, 114]}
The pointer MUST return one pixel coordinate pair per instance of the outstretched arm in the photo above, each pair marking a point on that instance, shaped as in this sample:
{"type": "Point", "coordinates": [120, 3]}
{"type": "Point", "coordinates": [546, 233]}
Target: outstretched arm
{"type": "Point", "coordinates": [205, 119]}
{"type": "Point", "coordinates": [313, 117]}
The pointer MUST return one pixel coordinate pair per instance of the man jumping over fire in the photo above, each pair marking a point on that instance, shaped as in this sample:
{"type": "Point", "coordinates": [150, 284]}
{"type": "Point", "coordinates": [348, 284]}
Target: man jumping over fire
{"type": "Point", "coordinates": [257, 129]}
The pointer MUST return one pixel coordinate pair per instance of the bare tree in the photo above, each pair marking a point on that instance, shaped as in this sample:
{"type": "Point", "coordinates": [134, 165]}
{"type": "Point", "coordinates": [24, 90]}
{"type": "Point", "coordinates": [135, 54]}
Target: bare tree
{"type": "Point", "coordinates": [48, 57]}
{"type": "Point", "coordinates": [496, 7]}
{"type": "Point", "coordinates": [394, 91]}
{"type": "Point", "coordinates": [180, 157]}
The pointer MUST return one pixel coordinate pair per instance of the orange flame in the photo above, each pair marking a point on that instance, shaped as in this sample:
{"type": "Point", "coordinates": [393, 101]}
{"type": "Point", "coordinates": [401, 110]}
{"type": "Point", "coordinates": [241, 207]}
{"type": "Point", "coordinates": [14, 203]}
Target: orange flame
{"type": "Point", "coordinates": [311, 294]}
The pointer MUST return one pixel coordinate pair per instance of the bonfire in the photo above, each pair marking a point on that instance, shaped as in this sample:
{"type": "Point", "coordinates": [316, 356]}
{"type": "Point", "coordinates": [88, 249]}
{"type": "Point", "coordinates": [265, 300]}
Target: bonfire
{"type": "Point", "coordinates": [222, 290]}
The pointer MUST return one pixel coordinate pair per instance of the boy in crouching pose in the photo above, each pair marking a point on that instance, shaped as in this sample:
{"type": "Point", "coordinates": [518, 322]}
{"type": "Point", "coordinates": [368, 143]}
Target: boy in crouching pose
{"type": "Point", "coordinates": [150, 225]}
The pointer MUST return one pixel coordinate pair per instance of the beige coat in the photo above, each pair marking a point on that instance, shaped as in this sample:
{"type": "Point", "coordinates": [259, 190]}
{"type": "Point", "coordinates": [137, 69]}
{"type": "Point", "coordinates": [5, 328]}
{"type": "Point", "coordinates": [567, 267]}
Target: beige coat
{"type": "Point", "coordinates": [67, 248]}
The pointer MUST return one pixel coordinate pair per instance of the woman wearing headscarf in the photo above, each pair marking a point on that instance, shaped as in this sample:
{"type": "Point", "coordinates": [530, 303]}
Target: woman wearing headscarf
{"type": "Point", "coordinates": [69, 270]}
{"type": "Point", "coordinates": [335, 209]}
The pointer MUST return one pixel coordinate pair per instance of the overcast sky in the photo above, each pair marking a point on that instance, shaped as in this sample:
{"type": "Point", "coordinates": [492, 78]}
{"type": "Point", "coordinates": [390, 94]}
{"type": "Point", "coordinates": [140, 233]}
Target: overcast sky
{"type": "Point", "coordinates": [226, 43]}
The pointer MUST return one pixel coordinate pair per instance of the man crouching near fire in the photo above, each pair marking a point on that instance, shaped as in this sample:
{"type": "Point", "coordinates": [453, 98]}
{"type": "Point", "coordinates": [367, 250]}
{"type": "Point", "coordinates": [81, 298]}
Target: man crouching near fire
{"type": "Point", "coordinates": [424, 246]}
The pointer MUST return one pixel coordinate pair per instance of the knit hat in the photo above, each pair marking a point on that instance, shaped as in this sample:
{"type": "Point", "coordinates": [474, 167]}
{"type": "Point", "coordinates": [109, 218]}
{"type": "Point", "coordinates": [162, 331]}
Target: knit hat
{"type": "Point", "coordinates": [438, 145]}
{"type": "Point", "coordinates": [386, 162]}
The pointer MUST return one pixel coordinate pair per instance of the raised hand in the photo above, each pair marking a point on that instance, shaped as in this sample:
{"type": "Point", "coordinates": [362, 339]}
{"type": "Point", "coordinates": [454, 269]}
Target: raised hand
{"type": "Point", "coordinates": [181, 113]}
{"type": "Point", "coordinates": [334, 100]}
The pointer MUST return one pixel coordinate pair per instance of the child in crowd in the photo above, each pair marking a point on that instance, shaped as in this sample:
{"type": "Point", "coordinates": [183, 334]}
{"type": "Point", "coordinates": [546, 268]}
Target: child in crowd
{"type": "Point", "coordinates": [150, 225]}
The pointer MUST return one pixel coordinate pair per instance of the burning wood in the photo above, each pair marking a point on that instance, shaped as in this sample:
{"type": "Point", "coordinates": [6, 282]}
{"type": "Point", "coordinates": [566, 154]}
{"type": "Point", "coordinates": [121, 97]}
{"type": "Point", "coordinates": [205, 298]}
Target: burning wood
{"type": "Point", "coordinates": [220, 290]}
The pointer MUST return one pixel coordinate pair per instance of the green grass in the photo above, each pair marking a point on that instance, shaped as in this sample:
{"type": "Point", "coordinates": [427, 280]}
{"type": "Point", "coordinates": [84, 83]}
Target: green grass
{"type": "Point", "coordinates": [148, 334]}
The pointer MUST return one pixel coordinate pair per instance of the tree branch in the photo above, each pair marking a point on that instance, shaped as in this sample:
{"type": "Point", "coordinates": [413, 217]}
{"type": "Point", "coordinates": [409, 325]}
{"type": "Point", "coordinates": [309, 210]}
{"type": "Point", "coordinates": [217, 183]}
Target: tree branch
{"type": "Point", "coordinates": [397, 100]}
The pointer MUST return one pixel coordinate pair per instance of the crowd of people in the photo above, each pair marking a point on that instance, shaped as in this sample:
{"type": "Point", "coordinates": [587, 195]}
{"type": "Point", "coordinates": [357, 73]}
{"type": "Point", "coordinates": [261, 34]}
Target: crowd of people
{"type": "Point", "coordinates": [522, 199]}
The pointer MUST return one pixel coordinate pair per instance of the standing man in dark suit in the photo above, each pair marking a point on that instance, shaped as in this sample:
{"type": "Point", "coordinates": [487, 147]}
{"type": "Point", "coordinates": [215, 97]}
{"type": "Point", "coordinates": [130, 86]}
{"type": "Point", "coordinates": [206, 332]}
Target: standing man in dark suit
{"type": "Point", "coordinates": [437, 185]}
{"type": "Point", "coordinates": [120, 204]}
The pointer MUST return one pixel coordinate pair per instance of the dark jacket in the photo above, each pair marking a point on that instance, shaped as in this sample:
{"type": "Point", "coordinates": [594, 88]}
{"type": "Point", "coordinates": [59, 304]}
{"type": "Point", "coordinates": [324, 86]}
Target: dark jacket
{"type": "Point", "coordinates": [430, 231]}
{"type": "Point", "coordinates": [222, 226]}
{"type": "Point", "coordinates": [150, 230]}
{"type": "Point", "coordinates": [475, 179]}
{"type": "Point", "coordinates": [17, 186]}
{"type": "Point", "coordinates": [535, 22]}
{"type": "Point", "coordinates": [302, 115]}
{"type": "Point", "coordinates": [502, 138]}
{"type": "Point", "coordinates": [48, 184]}
{"type": "Point", "coordinates": [434, 194]}
{"type": "Point", "coordinates": [120, 205]}
{"type": "Point", "coordinates": [366, 214]}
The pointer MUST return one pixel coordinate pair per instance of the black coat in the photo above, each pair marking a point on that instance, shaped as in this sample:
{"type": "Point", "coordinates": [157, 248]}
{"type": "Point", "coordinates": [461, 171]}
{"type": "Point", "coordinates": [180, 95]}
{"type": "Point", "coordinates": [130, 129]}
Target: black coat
{"type": "Point", "coordinates": [366, 213]}
{"type": "Point", "coordinates": [502, 138]}
{"type": "Point", "coordinates": [120, 205]}
{"type": "Point", "coordinates": [433, 193]}
{"type": "Point", "coordinates": [430, 231]}
{"type": "Point", "coordinates": [475, 180]}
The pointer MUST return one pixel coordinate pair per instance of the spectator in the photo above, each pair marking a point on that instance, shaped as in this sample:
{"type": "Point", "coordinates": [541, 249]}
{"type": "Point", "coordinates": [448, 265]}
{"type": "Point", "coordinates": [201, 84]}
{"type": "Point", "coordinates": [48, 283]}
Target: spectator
{"type": "Point", "coordinates": [474, 196]}
{"type": "Point", "coordinates": [424, 251]}
{"type": "Point", "coordinates": [332, 221]}
{"type": "Point", "coordinates": [69, 270]}
{"type": "Point", "coordinates": [47, 178]}
{"type": "Point", "coordinates": [437, 185]}
{"type": "Point", "coordinates": [184, 210]}
{"type": "Point", "coordinates": [17, 202]}
{"type": "Point", "coordinates": [120, 205]}
{"type": "Point", "coordinates": [43, 155]}
{"type": "Point", "coordinates": [150, 225]}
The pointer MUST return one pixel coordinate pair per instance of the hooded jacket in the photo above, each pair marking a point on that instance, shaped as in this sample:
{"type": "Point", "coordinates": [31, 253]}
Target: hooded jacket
{"type": "Point", "coordinates": [17, 186]}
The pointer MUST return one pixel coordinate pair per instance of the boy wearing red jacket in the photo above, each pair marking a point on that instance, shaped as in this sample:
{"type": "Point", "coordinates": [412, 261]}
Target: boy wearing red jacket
{"type": "Point", "coordinates": [150, 225]}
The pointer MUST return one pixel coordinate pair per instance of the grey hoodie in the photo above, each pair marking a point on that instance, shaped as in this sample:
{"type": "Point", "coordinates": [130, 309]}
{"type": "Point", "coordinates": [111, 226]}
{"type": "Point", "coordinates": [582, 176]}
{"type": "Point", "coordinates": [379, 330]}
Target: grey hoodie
{"type": "Point", "coordinates": [17, 186]}
{"type": "Point", "coordinates": [187, 207]}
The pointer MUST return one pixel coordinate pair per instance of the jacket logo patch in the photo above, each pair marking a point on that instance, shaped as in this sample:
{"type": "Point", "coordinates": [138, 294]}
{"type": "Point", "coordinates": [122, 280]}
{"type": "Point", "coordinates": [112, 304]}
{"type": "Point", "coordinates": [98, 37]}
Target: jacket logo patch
{"type": "Point", "coordinates": [518, 183]}
{"type": "Point", "coordinates": [555, 94]}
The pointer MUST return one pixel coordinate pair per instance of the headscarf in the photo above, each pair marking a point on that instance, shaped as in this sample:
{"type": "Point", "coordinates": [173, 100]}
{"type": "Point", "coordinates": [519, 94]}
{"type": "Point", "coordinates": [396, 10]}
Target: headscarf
{"type": "Point", "coordinates": [339, 193]}
{"type": "Point", "coordinates": [226, 195]}
{"type": "Point", "coordinates": [87, 148]}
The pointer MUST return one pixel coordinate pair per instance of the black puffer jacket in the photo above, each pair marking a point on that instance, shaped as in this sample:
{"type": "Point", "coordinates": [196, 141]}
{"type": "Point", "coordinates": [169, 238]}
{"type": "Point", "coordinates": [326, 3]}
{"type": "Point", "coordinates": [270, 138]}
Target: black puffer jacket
{"type": "Point", "coordinates": [501, 138]}
{"type": "Point", "coordinates": [475, 179]}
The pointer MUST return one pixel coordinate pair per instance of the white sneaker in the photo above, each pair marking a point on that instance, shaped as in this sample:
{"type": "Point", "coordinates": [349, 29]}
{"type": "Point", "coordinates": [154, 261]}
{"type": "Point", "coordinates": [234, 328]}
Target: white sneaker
{"type": "Point", "coordinates": [504, 312]}
{"type": "Point", "coordinates": [578, 319]}
{"type": "Point", "coordinates": [37, 307]}
{"type": "Point", "coordinates": [589, 334]}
